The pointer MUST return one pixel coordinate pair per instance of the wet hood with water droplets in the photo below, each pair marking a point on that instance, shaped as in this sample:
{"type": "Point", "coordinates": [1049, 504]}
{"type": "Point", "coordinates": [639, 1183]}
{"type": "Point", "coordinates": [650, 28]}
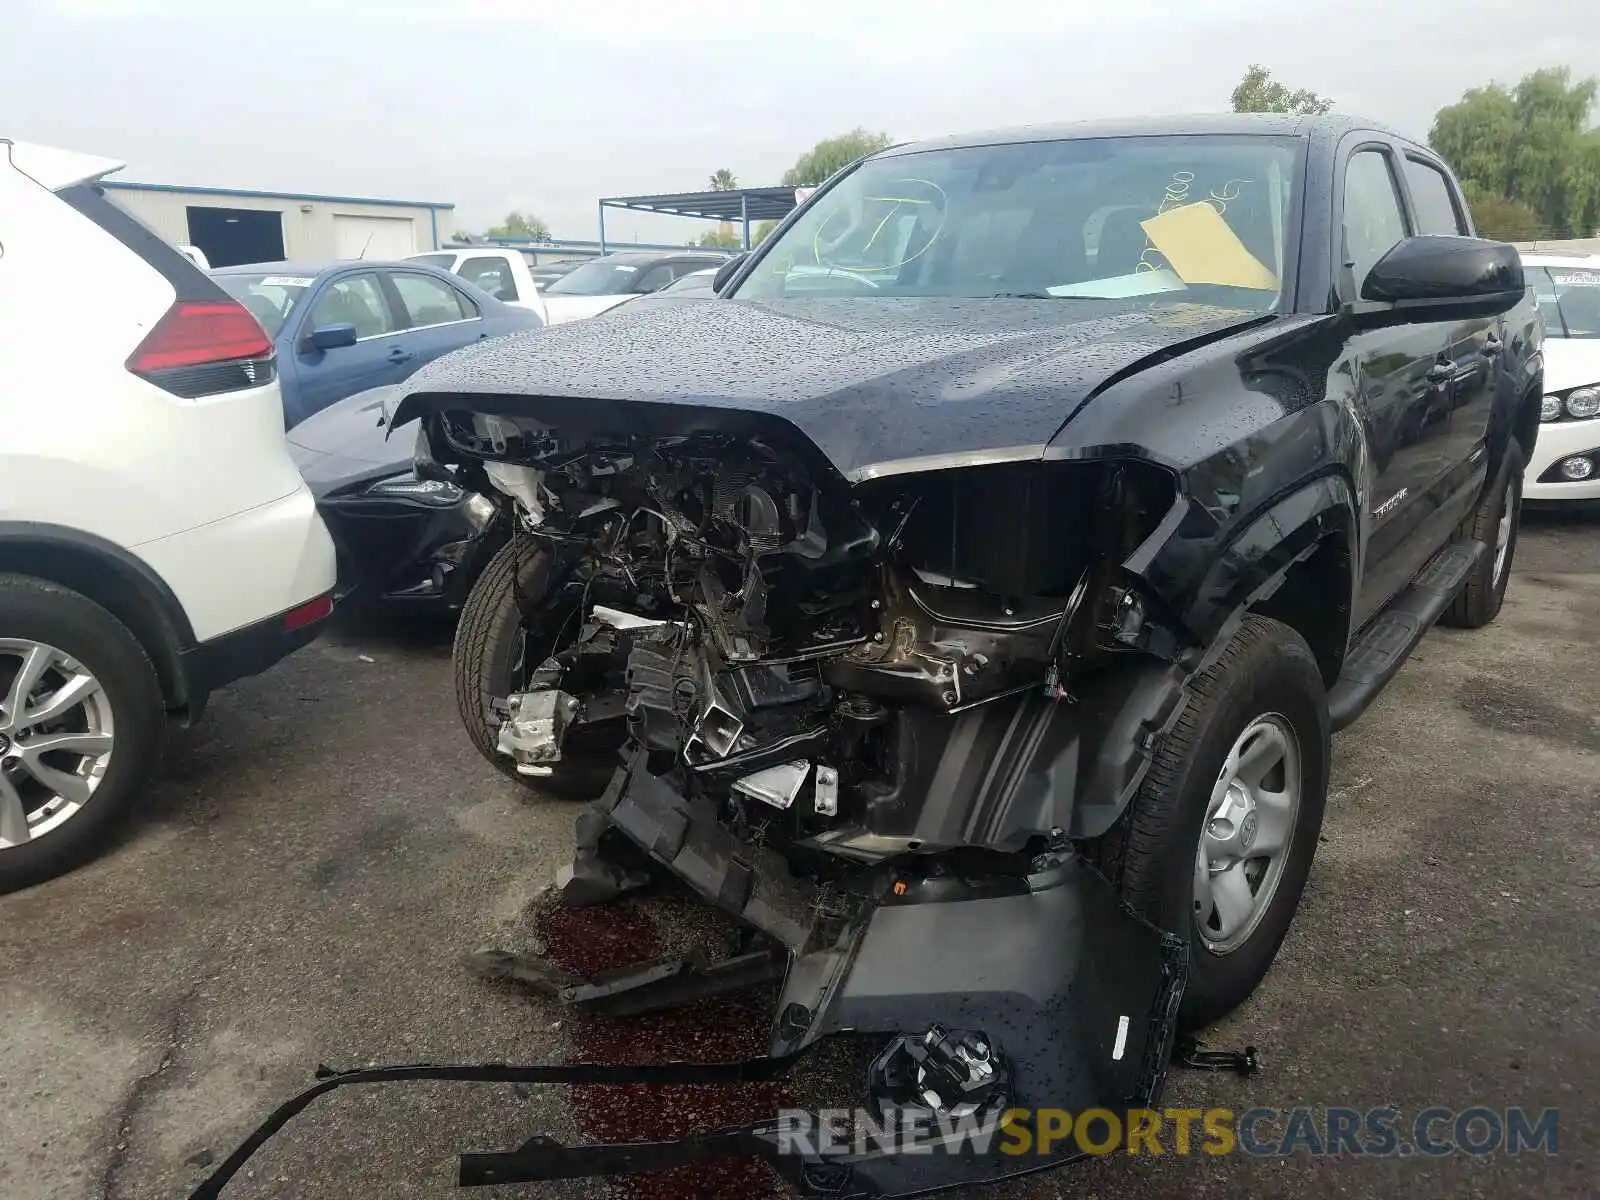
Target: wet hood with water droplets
{"type": "Point", "coordinates": [877, 384]}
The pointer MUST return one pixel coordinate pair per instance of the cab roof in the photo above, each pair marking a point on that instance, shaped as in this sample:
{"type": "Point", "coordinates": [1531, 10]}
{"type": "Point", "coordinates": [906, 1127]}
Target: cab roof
{"type": "Point", "coordinates": [1256, 124]}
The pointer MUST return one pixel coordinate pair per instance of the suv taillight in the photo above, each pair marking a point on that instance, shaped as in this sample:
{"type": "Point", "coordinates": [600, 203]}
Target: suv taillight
{"type": "Point", "coordinates": [201, 347]}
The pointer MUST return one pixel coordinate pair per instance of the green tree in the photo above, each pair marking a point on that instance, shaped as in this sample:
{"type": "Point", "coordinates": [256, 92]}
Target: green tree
{"type": "Point", "coordinates": [723, 180]}
{"type": "Point", "coordinates": [1259, 92]}
{"type": "Point", "coordinates": [724, 236]}
{"type": "Point", "coordinates": [1502, 219]}
{"type": "Point", "coordinates": [1530, 144]}
{"type": "Point", "coordinates": [521, 225]}
{"type": "Point", "coordinates": [833, 154]}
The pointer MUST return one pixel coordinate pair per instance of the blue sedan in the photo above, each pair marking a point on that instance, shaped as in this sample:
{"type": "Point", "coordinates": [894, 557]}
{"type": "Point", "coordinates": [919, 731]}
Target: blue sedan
{"type": "Point", "coordinates": [344, 327]}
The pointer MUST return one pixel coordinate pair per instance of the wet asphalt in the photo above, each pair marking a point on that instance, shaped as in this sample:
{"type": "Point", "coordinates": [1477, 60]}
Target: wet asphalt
{"type": "Point", "coordinates": [326, 847]}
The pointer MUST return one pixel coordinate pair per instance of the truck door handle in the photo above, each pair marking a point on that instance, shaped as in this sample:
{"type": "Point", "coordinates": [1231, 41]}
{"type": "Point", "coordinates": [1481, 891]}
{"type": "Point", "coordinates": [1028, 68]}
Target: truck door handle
{"type": "Point", "coordinates": [399, 354]}
{"type": "Point", "coordinates": [1492, 347]}
{"type": "Point", "coordinates": [1441, 373]}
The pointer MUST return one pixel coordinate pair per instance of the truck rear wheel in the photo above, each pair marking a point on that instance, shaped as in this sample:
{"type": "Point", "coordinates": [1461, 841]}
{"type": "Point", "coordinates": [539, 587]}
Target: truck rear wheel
{"type": "Point", "coordinates": [1495, 523]}
{"type": "Point", "coordinates": [1218, 842]}
{"type": "Point", "coordinates": [494, 654]}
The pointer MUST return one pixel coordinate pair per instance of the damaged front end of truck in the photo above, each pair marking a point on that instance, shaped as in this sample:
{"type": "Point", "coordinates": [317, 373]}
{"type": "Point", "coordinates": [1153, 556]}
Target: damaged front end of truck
{"type": "Point", "coordinates": [880, 717]}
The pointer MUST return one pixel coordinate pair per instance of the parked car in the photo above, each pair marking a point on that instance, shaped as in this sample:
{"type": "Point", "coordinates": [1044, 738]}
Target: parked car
{"type": "Point", "coordinates": [695, 283]}
{"type": "Point", "coordinates": [972, 628]}
{"type": "Point", "coordinates": [546, 273]}
{"type": "Point", "coordinates": [402, 540]}
{"type": "Point", "coordinates": [341, 328]}
{"type": "Point", "coordinates": [608, 281]}
{"type": "Point", "coordinates": [1566, 464]}
{"type": "Point", "coordinates": [503, 274]}
{"type": "Point", "coordinates": [156, 541]}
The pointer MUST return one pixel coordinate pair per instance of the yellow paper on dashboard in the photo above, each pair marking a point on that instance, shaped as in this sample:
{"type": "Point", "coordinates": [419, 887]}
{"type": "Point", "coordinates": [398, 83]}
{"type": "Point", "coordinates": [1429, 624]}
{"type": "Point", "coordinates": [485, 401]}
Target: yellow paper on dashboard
{"type": "Point", "coordinates": [1203, 249]}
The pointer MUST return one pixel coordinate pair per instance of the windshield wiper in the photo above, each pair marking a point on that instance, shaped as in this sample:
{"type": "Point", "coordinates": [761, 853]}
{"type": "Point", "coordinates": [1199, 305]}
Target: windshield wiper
{"type": "Point", "coordinates": [1030, 296]}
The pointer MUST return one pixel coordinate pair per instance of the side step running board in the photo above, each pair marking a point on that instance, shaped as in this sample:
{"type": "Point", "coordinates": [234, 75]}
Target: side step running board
{"type": "Point", "coordinates": [1385, 644]}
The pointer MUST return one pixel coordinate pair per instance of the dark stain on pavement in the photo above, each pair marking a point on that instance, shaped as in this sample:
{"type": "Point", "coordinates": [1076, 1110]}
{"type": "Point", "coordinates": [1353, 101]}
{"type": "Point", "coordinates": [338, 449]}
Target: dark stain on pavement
{"type": "Point", "coordinates": [1514, 708]}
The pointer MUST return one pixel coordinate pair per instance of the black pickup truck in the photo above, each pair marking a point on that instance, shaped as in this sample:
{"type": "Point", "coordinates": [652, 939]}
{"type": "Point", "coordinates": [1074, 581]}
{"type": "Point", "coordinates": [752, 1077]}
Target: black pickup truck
{"type": "Point", "coordinates": [965, 598]}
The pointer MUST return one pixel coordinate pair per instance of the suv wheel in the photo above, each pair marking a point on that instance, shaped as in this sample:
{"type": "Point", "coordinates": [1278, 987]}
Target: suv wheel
{"type": "Point", "coordinates": [493, 657]}
{"type": "Point", "coordinates": [1219, 839]}
{"type": "Point", "coordinates": [81, 725]}
{"type": "Point", "coordinates": [1495, 523]}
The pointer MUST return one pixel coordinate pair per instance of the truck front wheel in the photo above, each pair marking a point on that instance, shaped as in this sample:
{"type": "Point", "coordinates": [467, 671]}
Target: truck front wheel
{"type": "Point", "coordinates": [497, 648]}
{"type": "Point", "coordinates": [1218, 842]}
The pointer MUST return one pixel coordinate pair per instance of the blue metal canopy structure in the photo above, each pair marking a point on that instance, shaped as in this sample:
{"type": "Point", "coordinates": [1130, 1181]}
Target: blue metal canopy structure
{"type": "Point", "coordinates": [736, 204]}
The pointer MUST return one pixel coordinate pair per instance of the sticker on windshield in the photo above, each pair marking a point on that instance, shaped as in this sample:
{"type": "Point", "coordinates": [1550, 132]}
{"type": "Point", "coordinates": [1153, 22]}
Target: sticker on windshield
{"type": "Point", "coordinates": [625, 267]}
{"type": "Point", "coordinates": [286, 281]}
{"type": "Point", "coordinates": [1585, 279]}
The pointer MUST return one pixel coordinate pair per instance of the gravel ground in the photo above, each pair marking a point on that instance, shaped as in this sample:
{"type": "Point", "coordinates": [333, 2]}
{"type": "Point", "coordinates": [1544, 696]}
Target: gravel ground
{"type": "Point", "coordinates": [326, 847]}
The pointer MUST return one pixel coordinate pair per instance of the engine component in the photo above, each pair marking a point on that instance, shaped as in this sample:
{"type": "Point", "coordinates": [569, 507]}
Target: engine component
{"type": "Point", "coordinates": [779, 785]}
{"type": "Point", "coordinates": [532, 733]}
{"type": "Point", "coordinates": [826, 799]}
{"type": "Point", "coordinates": [955, 1073]}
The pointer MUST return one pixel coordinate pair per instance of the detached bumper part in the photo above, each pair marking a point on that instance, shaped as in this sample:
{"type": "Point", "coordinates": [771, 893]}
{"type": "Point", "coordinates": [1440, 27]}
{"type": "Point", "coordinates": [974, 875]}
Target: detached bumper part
{"type": "Point", "coordinates": [1036, 991]}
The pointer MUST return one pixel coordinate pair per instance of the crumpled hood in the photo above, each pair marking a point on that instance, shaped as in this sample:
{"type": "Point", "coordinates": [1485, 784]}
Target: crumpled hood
{"type": "Point", "coordinates": [879, 385]}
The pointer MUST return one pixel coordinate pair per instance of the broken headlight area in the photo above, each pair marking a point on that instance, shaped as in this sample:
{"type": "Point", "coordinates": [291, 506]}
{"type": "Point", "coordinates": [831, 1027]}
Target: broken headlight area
{"type": "Point", "coordinates": [873, 725]}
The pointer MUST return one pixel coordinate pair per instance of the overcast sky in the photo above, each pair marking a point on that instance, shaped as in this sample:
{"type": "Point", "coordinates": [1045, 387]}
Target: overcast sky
{"type": "Point", "coordinates": [546, 105]}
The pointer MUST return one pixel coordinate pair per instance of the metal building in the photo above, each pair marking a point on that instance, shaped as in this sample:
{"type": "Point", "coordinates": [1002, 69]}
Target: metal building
{"type": "Point", "coordinates": [235, 226]}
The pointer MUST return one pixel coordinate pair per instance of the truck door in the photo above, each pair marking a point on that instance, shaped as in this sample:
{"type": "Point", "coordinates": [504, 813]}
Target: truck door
{"type": "Point", "coordinates": [1401, 377]}
{"type": "Point", "coordinates": [1473, 346]}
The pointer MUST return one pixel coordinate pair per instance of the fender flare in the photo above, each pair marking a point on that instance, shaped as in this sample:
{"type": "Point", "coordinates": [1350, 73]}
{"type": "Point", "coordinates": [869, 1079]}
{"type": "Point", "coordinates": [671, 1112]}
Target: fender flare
{"type": "Point", "coordinates": [134, 593]}
{"type": "Point", "coordinates": [1258, 555]}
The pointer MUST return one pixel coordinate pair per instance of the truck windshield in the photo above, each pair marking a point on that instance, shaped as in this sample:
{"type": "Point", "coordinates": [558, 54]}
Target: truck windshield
{"type": "Point", "coordinates": [1569, 300]}
{"type": "Point", "coordinates": [1200, 218]}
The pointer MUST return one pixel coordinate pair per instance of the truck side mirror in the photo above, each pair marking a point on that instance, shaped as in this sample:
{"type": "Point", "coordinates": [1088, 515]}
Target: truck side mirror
{"type": "Point", "coordinates": [1443, 277]}
{"type": "Point", "coordinates": [726, 272]}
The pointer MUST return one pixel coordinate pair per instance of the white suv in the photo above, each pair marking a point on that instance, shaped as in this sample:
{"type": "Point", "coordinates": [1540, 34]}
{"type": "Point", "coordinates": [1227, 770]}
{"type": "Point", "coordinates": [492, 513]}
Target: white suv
{"type": "Point", "coordinates": [1565, 463]}
{"type": "Point", "coordinates": [156, 540]}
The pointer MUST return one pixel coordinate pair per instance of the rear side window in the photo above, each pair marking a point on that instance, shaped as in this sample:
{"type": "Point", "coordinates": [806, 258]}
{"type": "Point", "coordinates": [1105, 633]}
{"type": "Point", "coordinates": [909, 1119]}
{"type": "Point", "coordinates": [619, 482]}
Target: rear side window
{"type": "Point", "coordinates": [492, 275]}
{"type": "Point", "coordinates": [1430, 194]}
{"type": "Point", "coordinates": [429, 301]}
{"type": "Point", "coordinates": [1373, 219]}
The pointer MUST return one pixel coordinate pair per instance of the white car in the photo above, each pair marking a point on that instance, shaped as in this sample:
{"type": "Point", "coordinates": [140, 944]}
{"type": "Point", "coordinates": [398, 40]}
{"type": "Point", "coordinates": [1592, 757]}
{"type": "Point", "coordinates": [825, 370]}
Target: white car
{"type": "Point", "coordinates": [156, 540]}
{"type": "Point", "coordinates": [607, 282]}
{"type": "Point", "coordinates": [1565, 464]}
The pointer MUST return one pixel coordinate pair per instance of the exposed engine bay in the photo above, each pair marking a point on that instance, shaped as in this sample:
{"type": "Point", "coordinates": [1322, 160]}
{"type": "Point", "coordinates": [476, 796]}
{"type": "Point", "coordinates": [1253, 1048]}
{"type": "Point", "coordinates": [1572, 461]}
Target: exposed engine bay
{"type": "Point", "coordinates": [803, 654]}
{"type": "Point", "coordinates": [874, 724]}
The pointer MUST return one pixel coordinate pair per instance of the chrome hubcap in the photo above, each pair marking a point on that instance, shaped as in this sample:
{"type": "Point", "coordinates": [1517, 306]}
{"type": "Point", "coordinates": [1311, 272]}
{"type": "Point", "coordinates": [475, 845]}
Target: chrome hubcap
{"type": "Point", "coordinates": [55, 739]}
{"type": "Point", "coordinates": [1245, 840]}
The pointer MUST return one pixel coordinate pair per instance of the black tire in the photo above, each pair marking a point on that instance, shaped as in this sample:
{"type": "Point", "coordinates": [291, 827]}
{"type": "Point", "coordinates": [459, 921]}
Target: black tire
{"type": "Point", "coordinates": [489, 654]}
{"type": "Point", "coordinates": [1267, 668]}
{"type": "Point", "coordinates": [35, 610]}
{"type": "Point", "coordinates": [1485, 590]}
